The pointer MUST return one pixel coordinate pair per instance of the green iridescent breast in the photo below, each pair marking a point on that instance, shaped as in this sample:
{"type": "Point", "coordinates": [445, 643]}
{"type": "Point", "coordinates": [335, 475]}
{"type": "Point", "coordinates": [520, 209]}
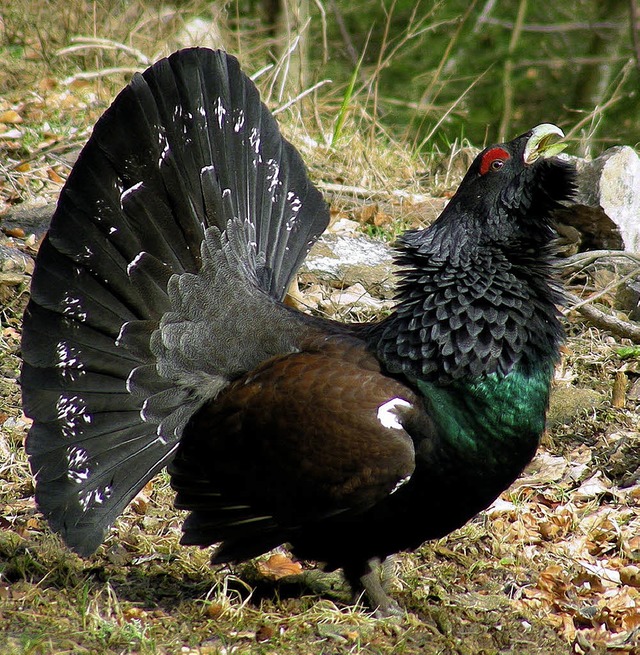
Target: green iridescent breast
{"type": "Point", "coordinates": [492, 418]}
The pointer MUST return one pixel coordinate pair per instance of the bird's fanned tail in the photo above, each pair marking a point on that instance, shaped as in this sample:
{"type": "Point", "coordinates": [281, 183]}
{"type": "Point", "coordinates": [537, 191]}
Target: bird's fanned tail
{"type": "Point", "coordinates": [185, 186]}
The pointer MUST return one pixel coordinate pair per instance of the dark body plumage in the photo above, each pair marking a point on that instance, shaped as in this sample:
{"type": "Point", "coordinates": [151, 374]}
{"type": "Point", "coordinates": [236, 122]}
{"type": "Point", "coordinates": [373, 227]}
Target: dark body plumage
{"type": "Point", "coordinates": [156, 335]}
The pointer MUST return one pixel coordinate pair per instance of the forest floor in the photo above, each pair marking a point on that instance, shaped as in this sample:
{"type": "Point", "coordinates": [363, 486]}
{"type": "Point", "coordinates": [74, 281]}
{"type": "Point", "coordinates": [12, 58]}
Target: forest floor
{"type": "Point", "coordinates": [553, 567]}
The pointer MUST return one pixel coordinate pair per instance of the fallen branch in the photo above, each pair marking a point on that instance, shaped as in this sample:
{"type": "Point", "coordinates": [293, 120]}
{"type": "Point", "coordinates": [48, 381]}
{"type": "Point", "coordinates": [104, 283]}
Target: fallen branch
{"type": "Point", "coordinates": [87, 42]}
{"type": "Point", "coordinates": [300, 96]}
{"type": "Point", "coordinates": [604, 321]}
{"type": "Point", "coordinates": [370, 194]}
{"type": "Point", "coordinates": [581, 260]}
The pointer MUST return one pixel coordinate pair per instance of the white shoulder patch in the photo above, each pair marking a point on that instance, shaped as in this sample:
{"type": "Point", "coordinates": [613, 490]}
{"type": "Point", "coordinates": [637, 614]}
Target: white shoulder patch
{"type": "Point", "coordinates": [387, 413]}
{"type": "Point", "coordinates": [400, 483]}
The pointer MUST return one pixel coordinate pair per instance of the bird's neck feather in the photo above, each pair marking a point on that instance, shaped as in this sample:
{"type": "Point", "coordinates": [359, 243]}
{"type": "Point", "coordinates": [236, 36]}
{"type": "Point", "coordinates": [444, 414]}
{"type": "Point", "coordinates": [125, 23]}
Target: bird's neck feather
{"type": "Point", "coordinates": [461, 319]}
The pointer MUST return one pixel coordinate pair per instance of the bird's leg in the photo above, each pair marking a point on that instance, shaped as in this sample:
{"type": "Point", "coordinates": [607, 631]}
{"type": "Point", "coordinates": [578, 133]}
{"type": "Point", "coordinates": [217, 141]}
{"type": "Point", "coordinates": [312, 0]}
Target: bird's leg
{"type": "Point", "coordinates": [373, 578]}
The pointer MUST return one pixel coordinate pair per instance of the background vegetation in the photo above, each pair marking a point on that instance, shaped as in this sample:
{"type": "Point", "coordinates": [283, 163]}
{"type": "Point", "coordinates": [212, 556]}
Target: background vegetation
{"type": "Point", "coordinates": [424, 72]}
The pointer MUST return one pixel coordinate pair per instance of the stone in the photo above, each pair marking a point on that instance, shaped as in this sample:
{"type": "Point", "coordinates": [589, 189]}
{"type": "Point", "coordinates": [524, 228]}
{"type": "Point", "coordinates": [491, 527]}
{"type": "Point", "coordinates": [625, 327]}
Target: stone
{"type": "Point", "coordinates": [344, 260]}
{"type": "Point", "coordinates": [354, 298]}
{"type": "Point", "coordinates": [13, 260]}
{"type": "Point", "coordinates": [33, 218]}
{"type": "Point", "coordinates": [607, 209]}
{"type": "Point", "coordinates": [567, 403]}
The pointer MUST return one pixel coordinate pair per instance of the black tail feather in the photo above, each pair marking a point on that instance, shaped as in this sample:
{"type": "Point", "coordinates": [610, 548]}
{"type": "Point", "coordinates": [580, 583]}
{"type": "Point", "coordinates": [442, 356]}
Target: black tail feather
{"type": "Point", "coordinates": [186, 175]}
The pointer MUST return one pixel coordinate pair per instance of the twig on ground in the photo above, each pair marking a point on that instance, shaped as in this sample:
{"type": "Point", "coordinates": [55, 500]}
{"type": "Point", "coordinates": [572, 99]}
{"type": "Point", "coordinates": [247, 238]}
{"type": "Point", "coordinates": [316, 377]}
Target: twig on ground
{"type": "Point", "coordinates": [369, 194]}
{"type": "Point", "coordinates": [581, 260]}
{"type": "Point", "coordinates": [90, 75]}
{"type": "Point", "coordinates": [604, 321]}
{"type": "Point", "coordinates": [86, 42]}
{"type": "Point", "coordinates": [300, 96]}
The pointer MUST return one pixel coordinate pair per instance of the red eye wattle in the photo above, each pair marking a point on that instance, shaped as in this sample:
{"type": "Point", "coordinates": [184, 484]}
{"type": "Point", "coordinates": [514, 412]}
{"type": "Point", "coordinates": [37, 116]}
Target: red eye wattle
{"type": "Point", "coordinates": [493, 160]}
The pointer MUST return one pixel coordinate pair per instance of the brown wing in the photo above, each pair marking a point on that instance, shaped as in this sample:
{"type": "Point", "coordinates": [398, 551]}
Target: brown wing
{"type": "Point", "coordinates": [301, 438]}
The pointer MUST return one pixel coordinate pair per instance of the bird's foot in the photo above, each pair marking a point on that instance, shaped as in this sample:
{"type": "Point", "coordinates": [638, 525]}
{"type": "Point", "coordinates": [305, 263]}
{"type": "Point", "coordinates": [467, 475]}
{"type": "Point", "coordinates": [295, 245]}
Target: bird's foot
{"type": "Point", "coordinates": [374, 582]}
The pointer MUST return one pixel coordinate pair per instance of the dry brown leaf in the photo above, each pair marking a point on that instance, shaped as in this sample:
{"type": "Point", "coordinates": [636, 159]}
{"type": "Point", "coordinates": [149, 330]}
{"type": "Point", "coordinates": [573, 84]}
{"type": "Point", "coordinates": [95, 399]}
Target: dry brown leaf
{"type": "Point", "coordinates": [631, 621]}
{"type": "Point", "coordinates": [371, 215]}
{"type": "Point", "coordinates": [381, 219]}
{"type": "Point", "coordinates": [10, 116]}
{"type": "Point", "coordinates": [140, 503]}
{"type": "Point", "coordinates": [54, 177]}
{"type": "Point", "coordinates": [133, 614]}
{"type": "Point", "coordinates": [553, 579]}
{"type": "Point", "coordinates": [16, 232]}
{"type": "Point", "coordinates": [279, 566]}
{"type": "Point", "coordinates": [47, 84]}
{"type": "Point", "coordinates": [630, 575]}
{"type": "Point", "coordinates": [568, 627]}
{"type": "Point", "coordinates": [602, 538]}
{"type": "Point", "coordinates": [264, 633]}
{"type": "Point", "coordinates": [633, 547]}
{"type": "Point", "coordinates": [557, 526]}
{"type": "Point", "coordinates": [595, 486]}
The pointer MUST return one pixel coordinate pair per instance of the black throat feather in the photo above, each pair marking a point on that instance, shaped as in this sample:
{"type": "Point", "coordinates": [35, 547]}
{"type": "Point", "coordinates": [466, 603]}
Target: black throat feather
{"type": "Point", "coordinates": [479, 299]}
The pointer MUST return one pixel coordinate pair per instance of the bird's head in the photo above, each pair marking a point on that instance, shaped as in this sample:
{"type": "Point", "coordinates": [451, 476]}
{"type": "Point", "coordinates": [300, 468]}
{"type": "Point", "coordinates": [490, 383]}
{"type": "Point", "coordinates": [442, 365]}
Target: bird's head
{"type": "Point", "coordinates": [476, 294]}
{"type": "Point", "coordinates": [509, 194]}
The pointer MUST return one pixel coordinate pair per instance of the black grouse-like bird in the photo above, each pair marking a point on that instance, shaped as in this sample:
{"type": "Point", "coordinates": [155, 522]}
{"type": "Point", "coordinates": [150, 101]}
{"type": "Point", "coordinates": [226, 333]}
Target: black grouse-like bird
{"type": "Point", "coordinates": [156, 335]}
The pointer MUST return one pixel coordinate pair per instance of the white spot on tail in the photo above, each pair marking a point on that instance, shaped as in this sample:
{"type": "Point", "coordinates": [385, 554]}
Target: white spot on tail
{"type": "Point", "coordinates": [387, 414]}
{"type": "Point", "coordinates": [161, 438]}
{"type": "Point", "coordinates": [295, 205]}
{"type": "Point", "coordinates": [68, 356]}
{"type": "Point", "coordinates": [165, 149]}
{"type": "Point", "coordinates": [133, 263]}
{"type": "Point", "coordinates": [143, 412]}
{"type": "Point", "coordinates": [220, 112]}
{"type": "Point", "coordinates": [69, 361]}
{"type": "Point", "coordinates": [273, 176]}
{"type": "Point", "coordinates": [95, 497]}
{"type": "Point", "coordinates": [129, 191]}
{"type": "Point", "coordinates": [254, 140]}
{"type": "Point", "coordinates": [72, 415]}
{"type": "Point", "coordinates": [118, 341]}
{"type": "Point", "coordinates": [295, 202]}
{"type": "Point", "coordinates": [238, 122]}
{"type": "Point", "coordinates": [77, 459]}
{"type": "Point", "coordinates": [72, 307]}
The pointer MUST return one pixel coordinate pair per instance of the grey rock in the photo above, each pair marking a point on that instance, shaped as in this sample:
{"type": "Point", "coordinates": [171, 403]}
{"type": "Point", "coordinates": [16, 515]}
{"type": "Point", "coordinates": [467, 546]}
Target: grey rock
{"type": "Point", "coordinates": [344, 260]}
{"type": "Point", "coordinates": [607, 211]}
{"type": "Point", "coordinates": [13, 260]}
{"type": "Point", "coordinates": [31, 217]}
{"type": "Point", "coordinates": [568, 403]}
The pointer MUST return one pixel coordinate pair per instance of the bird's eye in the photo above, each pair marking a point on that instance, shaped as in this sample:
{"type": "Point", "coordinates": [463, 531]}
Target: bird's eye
{"type": "Point", "coordinates": [493, 160]}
